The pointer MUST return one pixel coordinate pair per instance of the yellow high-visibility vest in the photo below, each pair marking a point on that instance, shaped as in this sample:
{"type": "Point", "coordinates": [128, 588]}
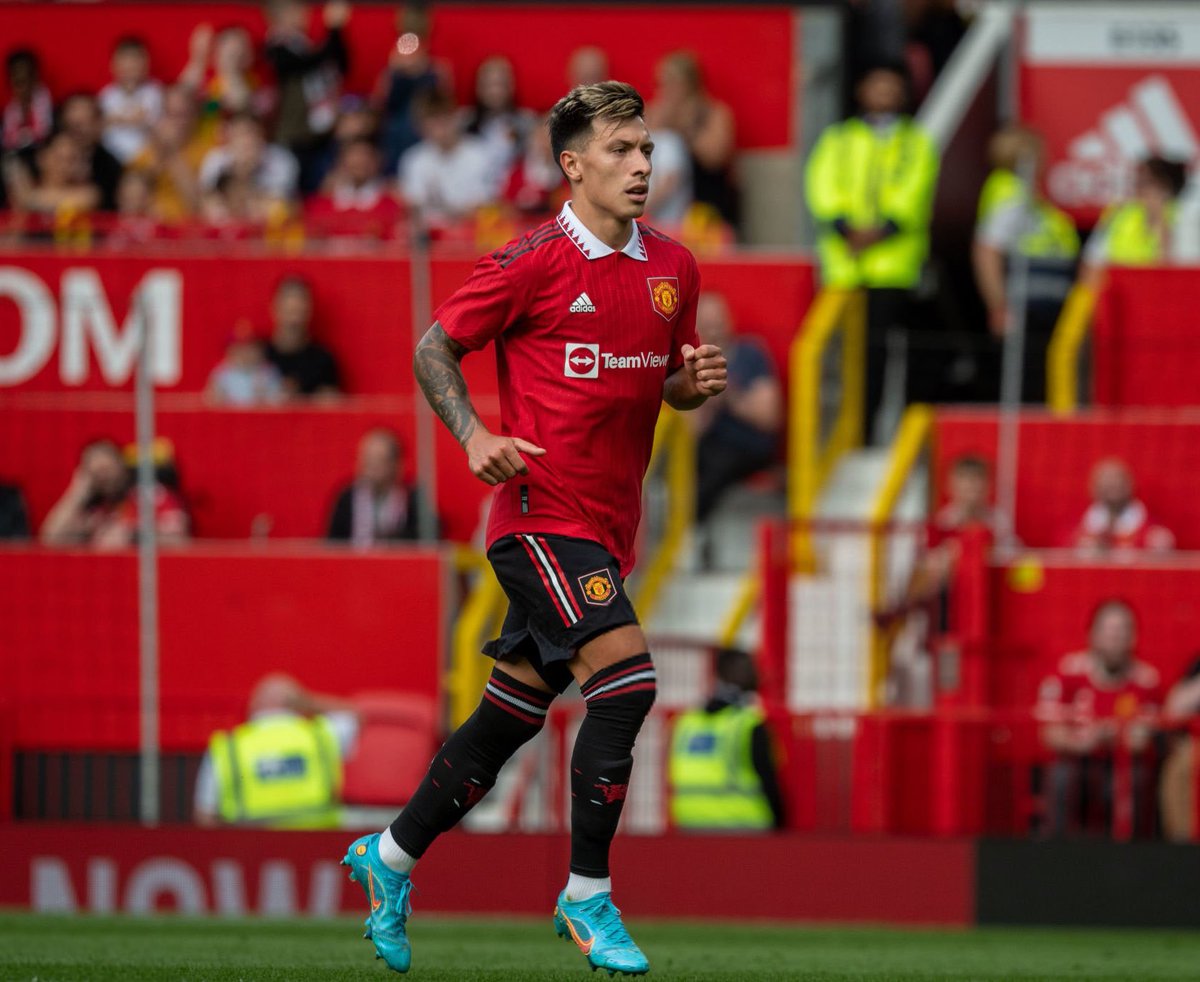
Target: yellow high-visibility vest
{"type": "Point", "coordinates": [281, 772]}
{"type": "Point", "coordinates": [713, 781]}
{"type": "Point", "coordinates": [1130, 241]}
{"type": "Point", "coordinates": [867, 178]}
{"type": "Point", "coordinates": [1052, 234]}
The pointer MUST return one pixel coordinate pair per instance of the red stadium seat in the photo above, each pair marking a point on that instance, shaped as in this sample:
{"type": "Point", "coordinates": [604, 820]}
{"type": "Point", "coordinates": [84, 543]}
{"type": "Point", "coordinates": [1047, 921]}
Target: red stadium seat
{"type": "Point", "coordinates": [398, 736]}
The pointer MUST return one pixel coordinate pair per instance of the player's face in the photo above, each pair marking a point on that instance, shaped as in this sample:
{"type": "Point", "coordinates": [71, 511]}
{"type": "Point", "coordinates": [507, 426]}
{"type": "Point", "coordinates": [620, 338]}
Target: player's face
{"type": "Point", "coordinates": [614, 167]}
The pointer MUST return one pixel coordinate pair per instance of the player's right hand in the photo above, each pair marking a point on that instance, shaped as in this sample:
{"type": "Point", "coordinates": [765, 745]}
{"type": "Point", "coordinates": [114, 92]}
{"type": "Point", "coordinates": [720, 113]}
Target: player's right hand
{"type": "Point", "coordinates": [495, 459]}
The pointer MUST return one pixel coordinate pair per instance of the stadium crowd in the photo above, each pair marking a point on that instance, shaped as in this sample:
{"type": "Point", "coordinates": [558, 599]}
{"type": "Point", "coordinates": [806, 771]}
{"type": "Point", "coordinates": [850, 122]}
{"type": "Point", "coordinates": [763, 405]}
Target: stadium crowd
{"type": "Point", "coordinates": [244, 143]}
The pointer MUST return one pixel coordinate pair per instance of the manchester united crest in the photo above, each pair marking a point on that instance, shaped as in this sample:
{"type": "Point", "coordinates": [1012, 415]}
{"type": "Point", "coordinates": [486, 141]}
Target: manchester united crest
{"type": "Point", "coordinates": [598, 589]}
{"type": "Point", "coordinates": [664, 295]}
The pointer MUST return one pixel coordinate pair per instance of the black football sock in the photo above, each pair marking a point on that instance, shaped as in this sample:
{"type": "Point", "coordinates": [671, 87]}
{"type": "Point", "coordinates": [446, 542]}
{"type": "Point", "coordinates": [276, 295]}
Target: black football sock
{"type": "Point", "coordinates": [464, 770]}
{"type": "Point", "coordinates": [618, 699]}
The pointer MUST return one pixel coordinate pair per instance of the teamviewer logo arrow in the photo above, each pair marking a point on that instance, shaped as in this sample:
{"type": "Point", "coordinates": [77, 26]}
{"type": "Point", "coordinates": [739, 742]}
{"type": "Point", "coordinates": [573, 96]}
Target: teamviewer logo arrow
{"type": "Point", "coordinates": [583, 361]}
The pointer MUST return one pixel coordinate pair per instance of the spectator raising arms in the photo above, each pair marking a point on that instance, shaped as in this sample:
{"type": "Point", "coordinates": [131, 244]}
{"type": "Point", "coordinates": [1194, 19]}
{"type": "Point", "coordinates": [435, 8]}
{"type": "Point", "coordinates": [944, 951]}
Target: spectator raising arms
{"type": "Point", "coordinates": [411, 75]}
{"type": "Point", "coordinates": [100, 508]}
{"type": "Point", "coordinates": [1116, 521]}
{"type": "Point", "coordinates": [307, 368]}
{"type": "Point", "coordinates": [29, 113]}
{"type": "Point", "coordinates": [377, 507]}
{"type": "Point", "coordinates": [131, 102]}
{"type": "Point", "coordinates": [448, 175]}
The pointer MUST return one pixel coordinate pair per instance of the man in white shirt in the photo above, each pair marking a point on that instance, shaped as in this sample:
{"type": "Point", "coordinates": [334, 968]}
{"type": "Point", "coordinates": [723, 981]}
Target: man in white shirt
{"type": "Point", "coordinates": [447, 175]}
{"type": "Point", "coordinates": [245, 154]}
{"type": "Point", "coordinates": [131, 102]}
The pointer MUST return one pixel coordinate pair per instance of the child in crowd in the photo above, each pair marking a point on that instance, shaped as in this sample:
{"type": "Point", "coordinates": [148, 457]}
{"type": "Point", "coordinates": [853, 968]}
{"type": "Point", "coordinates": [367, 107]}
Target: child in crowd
{"type": "Point", "coordinates": [131, 102]}
{"type": "Point", "coordinates": [245, 377]}
{"type": "Point", "coordinates": [29, 114]}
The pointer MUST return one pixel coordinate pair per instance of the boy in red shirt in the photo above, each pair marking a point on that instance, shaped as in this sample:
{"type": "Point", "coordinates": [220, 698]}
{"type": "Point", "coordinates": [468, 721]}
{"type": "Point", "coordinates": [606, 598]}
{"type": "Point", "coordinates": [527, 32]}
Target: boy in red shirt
{"type": "Point", "coordinates": [593, 316]}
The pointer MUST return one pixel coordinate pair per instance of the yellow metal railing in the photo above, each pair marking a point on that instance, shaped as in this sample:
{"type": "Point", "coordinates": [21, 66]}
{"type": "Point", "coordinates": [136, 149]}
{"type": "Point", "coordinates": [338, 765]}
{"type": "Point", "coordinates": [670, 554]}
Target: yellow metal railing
{"type": "Point", "coordinates": [1062, 357]}
{"type": "Point", "coordinates": [911, 439]}
{"type": "Point", "coordinates": [811, 459]}
{"type": "Point", "coordinates": [743, 604]}
{"type": "Point", "coordinates": [483, 611]}
{"type": "Point", "coordinates": [674, 439]}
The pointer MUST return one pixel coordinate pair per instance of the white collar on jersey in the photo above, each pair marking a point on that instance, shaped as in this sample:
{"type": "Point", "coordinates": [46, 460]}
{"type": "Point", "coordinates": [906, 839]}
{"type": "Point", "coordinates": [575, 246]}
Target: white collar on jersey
{"type": "Point", "coordinates": [592, 247]}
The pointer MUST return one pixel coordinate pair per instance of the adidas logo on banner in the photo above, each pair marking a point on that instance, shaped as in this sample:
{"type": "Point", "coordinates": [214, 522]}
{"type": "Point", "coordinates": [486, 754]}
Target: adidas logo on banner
{"type": "Point", "coordinates": [1099, 165]}
{"type": "Point", "coordinates": [583, 305]}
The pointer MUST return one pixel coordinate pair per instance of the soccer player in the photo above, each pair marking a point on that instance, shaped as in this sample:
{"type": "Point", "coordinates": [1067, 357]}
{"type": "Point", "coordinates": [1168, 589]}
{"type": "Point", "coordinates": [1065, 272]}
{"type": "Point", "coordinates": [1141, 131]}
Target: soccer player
{"type": "Point", "coordinates": [593, 317]}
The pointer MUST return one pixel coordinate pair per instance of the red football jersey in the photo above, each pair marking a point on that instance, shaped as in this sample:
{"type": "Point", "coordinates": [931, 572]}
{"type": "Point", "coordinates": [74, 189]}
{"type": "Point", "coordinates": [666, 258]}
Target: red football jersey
{"type": "Point", "coordinates": [585, 338]}
{"type": "Point", "coordinates": [1077, 693]}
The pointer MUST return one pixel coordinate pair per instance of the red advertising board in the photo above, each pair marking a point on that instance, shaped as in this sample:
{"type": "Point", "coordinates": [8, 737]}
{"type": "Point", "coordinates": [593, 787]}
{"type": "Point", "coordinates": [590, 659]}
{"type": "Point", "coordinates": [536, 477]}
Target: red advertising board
{"type": "Point", "coordinates": [1107, 85]}
{"type": "Point", "coordinates": [234, 872]}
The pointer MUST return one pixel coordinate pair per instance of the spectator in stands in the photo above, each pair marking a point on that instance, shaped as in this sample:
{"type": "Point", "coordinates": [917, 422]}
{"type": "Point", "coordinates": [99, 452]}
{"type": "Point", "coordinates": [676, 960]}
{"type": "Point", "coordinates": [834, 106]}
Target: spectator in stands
{"type": "Point", "coordinates": [739, 435]}
{"type": "Point", "coordinates": [282, 768]}
{"type": "Point", "coordinates": [355, 121]}
{"type": "Point", "coordinates": [870, 183]}
{"type": "Point", "coordinates": [1177, 784]}
{"type": "Point", "coordinates": [355, 197]}
{"type": "Point", "coordinates": [307, 368]}
{"type": "Point", "coordinates": [309, 75]}
{"type": "Point", "coordinates": [722, 767]}
{"type": "Point", "coordinates": [270, 171]}
{"type": "Point", "coordinates": [448, 175]}
{"type": "Point", "coordinates": [377, 506]}
{"type": "Point", "coordinates": [587, 66]}
{"type": "Point", "coordinates": [1096, 698]}
{"type": "Point", "coordinates": [536, 185]}
{"type": "Point", "coordinates": [228, 86]}
{"type": "Point", "coordinates": [245, 377]}
{"type": "Point", "coordinates": [682, 104]}
{"type": "Point", "coordinates": [136, 222]}
{"type": "Point", "coordinates": [14, 515]}
{"type": "Point", "coordinates": [495, 116]}
{"type": "Point", "coordinates": [1117, 522]}
{"type": "Point", "coordinates": [410, 77]}
{"type": "Point", "coordinates": [29, 113]}
{"type": "Point", "coordinates": [1017, 220]}
{"type": "Point", "coordinates": [1140, 231]}
{"type": "Point", "coordinates": [670, 195]}
{"type": "Point", "coordinates": [80, 116]}
{"type": "Point", "coordinates": [132, 102]}
{"type": "Point", "coordinates": [61, 188]}
{"type": "Point", "coordinates": [172, 157]}
{"type": "Point", "coordinates": [100, 506]}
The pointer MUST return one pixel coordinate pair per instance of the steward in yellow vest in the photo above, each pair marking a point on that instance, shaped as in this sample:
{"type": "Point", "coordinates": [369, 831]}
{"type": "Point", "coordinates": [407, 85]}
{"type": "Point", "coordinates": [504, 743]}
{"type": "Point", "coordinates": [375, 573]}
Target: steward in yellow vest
{"type": "Point", "coordinates": [721, 770]}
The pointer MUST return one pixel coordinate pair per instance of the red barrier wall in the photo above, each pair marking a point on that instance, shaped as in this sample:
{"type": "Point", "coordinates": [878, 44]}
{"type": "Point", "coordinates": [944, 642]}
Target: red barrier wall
{"type": "Point", "coordinates": [69, 642]}
{"type": "Point", "coordinates": [363, 309]}
{"type": "Point", "coordinates": [75, 42]}
{"type": "Point", "coordinates": [1057, 455]}
{"type": "Point", "coordinates": [1042, 610]}
{"type": "Point", "coordinates": [886, 880]}
{"type": "Point", "coordinates": [1145, 343]}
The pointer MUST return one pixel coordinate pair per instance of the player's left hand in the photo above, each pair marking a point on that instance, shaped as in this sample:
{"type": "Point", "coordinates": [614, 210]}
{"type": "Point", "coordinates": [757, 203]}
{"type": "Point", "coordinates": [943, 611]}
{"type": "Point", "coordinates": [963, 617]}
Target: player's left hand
{"type": "Point", "coordinates": [706, 368]}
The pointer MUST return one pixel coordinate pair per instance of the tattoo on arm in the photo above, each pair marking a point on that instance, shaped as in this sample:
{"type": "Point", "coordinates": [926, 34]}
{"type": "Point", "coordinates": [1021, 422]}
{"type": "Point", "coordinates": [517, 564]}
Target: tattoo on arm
{"type": "Point", "coordinates": [436, 366]}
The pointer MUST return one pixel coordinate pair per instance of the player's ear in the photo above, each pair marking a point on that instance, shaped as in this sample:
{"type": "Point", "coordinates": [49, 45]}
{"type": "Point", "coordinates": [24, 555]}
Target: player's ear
{"type": "Point", "coordinates": [568, 160]}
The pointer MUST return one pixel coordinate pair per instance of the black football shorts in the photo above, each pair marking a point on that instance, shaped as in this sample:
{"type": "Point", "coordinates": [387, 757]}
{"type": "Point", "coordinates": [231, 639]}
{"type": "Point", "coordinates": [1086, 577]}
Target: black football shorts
{"type": "Point", "coordinates": [562, 592]}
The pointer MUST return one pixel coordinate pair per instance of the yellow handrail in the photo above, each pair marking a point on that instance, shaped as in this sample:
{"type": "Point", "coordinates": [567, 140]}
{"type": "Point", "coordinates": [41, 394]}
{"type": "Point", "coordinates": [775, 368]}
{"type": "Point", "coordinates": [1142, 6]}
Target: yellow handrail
{"type": "Point", "coordinates": [674, 438]}
{"type": "Point", "coordinates": [809, 462]}
{"type": "Point", "coordinates": [476, 622]}
{"type": "Point", "coordinates": [911, 438]}
{"type": "Point", "coordinates": [743, 603]}
{"type": "Point", "coordinates": [1062, 357]}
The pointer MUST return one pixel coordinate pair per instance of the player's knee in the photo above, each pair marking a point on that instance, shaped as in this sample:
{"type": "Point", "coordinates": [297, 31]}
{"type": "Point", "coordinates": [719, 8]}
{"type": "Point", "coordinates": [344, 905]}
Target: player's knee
{"type": "Point", "coordinates": [626, 688]}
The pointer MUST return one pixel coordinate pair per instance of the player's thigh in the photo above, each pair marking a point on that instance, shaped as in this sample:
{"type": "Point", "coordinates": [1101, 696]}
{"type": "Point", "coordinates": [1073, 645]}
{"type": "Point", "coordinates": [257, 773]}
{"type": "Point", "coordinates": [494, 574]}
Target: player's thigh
{"type": "Point", "coordinates": [610, 648]}
{"type": "Point", "coordinates": [521, 670]}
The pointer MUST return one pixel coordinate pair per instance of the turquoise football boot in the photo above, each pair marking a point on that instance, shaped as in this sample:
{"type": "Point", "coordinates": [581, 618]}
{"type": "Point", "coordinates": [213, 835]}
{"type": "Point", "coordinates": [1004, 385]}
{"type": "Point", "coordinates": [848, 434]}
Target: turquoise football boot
{"type": "Point", "coordinates": [595, 927]}
{"type": "Point", "coordinates": [388, 894]}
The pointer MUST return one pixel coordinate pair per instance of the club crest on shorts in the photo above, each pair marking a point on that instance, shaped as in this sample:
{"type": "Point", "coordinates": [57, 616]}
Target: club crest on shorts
{"type": "Point", "coordinates": [664, 295]}
{"type": "Point", "coordinates": [598, 589]}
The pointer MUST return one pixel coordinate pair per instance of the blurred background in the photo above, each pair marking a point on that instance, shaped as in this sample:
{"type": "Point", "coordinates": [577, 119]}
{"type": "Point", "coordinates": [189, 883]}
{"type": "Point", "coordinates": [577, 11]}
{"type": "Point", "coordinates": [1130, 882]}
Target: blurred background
{"type": "Point", "coordinates": [922, 586]}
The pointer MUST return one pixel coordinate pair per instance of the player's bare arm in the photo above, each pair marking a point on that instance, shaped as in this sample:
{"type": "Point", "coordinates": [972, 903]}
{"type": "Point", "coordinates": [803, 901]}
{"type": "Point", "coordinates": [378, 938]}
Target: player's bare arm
{"type": "Point", "coordinates": [437, 365]}
{"type": "Point", "coordinates": [702, 375]}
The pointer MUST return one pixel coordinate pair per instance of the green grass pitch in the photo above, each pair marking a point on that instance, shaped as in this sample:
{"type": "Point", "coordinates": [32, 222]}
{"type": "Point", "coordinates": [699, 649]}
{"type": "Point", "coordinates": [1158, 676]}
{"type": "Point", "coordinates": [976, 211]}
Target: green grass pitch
{"type": "Point", "coordinates": [90, 949]}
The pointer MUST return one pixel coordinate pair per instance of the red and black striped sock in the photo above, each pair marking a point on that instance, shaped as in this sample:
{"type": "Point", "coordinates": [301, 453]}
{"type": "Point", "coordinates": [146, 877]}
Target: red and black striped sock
{"type": "Point", "coordinates": [618, 699]}
{"type": "Point", "coordinates": [464, 770]}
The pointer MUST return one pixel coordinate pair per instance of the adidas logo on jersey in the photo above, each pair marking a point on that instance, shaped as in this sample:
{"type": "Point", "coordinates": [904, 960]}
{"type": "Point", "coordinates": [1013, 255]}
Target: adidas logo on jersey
{"type": "Point", "coordinates": [583, 305]}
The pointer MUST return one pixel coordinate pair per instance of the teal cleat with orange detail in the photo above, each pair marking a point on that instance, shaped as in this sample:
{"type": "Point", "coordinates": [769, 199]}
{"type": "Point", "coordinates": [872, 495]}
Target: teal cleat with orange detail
{"type": "Point", "coordinates": [595, 927]}
{"type": "Point", "coordinates": [388, 894]}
